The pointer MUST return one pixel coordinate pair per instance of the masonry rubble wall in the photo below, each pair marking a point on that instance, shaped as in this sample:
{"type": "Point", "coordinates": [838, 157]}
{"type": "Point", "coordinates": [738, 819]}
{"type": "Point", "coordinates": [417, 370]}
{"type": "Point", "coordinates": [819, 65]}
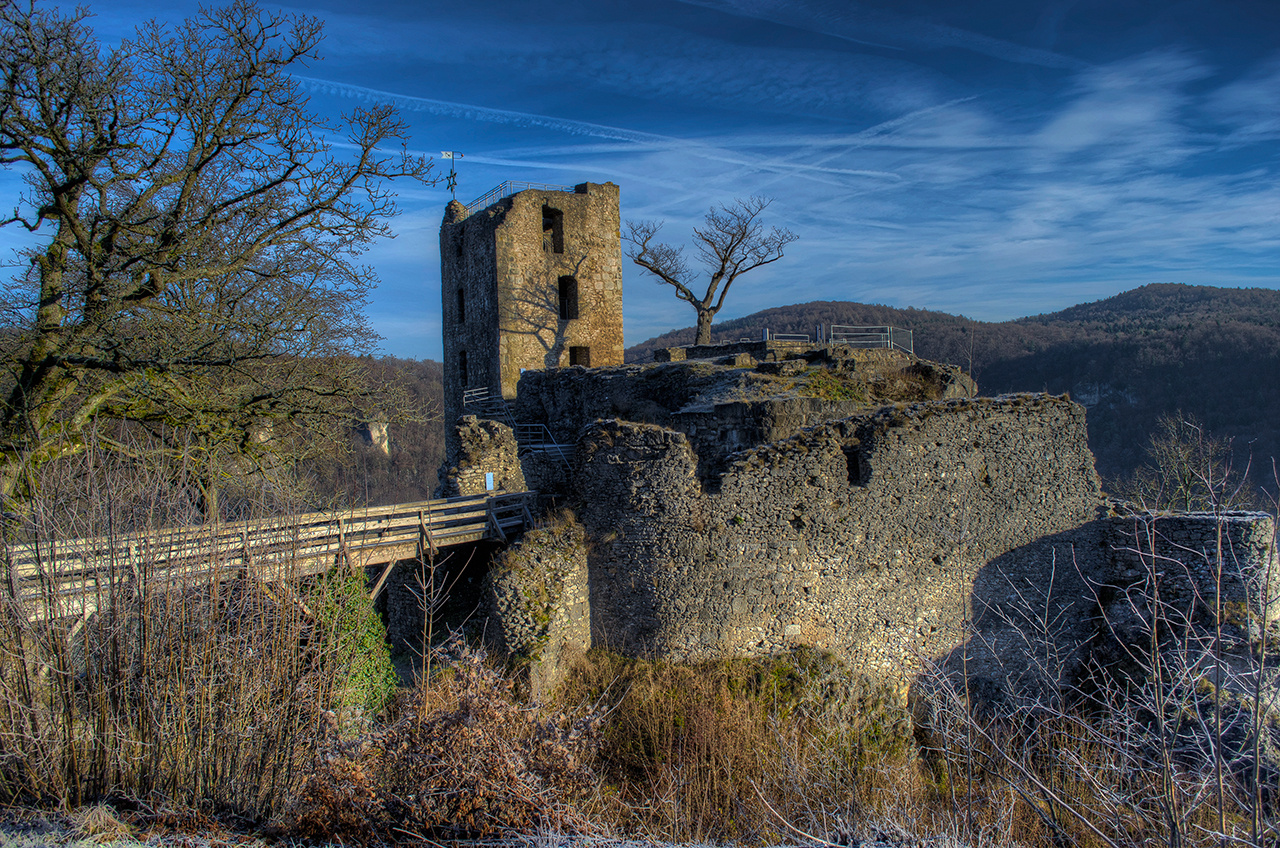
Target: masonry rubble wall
{"type": "Point", "coordinates": [676, 395]}
{"type": "Point", "coordinates": [404, 603]}
{"type": "Point", "coordinates": [1195, 556]}
{"type": "Point", "coordinates": [1053, 612]}
{"type": "Point", "coordinates": [1191, 577]}
{"type": "Point", "coordinates": [537, 600]}
{"type": "Point", "coordinates": [481, 447]}
{"type": "Point", "coordinates": [771, 350]}
{"type": "Point", "coordinates": [966, 532]}
{"type": "Point", "coordinates": [862, 536]}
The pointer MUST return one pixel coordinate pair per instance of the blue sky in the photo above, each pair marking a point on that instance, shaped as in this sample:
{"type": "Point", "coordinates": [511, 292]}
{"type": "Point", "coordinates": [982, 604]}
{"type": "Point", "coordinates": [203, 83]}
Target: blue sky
{"type": "Point", "coordinates": [995, 158]}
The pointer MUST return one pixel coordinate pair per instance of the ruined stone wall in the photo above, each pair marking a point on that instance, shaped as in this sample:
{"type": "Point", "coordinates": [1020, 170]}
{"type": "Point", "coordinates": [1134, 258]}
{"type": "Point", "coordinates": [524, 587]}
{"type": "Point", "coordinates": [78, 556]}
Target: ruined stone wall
{"type": "Point", "coordinates": [863, 536]}
{"type": "Point", "coordinates": [970, 534]}
{"type": "Point", "coordinates": [537, 600]}
{"type": "Point", "coordinates": [481, 452]}
{"type": "Point", "coordinates": [1051, 613]}
{"type": "Point", "coordinates": [469, 303]}
{"type": "Point", "coordinates": [568, 401]}
{"type": "Point", "coordinates": [697, 398]}
{"type": "Point", "coordinates": [761, 350]}
{"type": "Point", "coordinates": [1196, 564]}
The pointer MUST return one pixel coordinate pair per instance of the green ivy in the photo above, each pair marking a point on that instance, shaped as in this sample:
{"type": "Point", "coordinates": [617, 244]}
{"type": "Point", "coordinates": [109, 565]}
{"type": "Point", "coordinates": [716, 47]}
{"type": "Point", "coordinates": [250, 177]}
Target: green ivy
{"type": "Point", "coordinates": [357, 641]}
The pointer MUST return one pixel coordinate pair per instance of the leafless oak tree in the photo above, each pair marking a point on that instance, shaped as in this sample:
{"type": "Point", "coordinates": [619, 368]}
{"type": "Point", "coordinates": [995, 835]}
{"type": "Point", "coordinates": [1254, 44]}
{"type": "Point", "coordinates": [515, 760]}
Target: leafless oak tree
{"type": "Point", "coordinates": [196, 235]}
{"type": "Point", "coordinates": [731, 242]}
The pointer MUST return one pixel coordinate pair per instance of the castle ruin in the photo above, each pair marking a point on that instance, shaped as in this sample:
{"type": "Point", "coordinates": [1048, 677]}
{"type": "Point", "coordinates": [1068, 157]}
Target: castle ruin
{"type": "Point", "coordinates": [531, 281]}
{"type": "Point", "coordinates": [774, 495]}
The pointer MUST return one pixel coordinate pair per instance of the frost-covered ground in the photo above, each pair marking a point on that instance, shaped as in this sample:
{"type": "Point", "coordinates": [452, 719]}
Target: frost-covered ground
{"type": "Point", "coordinates": [99, 827]}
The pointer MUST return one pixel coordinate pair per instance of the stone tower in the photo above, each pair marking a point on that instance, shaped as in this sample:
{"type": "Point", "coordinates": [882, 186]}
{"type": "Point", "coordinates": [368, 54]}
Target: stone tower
{"type": "Point", "coordinates": [532, 280]}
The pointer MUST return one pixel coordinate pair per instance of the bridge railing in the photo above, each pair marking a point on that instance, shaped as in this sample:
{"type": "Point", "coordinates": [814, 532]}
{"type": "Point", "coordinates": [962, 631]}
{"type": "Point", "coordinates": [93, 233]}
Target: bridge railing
{"type": "Point", "coordinates": [62, 577]}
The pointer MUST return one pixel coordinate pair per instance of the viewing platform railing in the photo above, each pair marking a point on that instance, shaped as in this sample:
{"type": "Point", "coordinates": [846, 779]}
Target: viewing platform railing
{"type": "Point", "coordinates": [894, 338]}
{"type": "Point", "coordinates": [509, 188]}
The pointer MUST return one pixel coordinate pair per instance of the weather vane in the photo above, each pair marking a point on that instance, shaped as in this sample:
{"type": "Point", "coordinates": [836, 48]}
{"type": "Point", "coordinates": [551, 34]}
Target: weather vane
{"type": "Point", "coordinates": [452, 180]}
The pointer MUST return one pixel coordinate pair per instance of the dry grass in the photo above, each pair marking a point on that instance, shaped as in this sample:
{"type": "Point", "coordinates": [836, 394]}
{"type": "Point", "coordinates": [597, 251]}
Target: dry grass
{"type": "Point", "coordinates": [177, 703]}
{"type": "Point", "coordinates": [207, 694]}
{"type": "Point", "coordinates": [720, 751]}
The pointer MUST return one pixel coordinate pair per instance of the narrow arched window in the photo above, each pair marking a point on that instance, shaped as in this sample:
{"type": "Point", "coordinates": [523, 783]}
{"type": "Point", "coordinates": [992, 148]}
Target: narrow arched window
{"type": "Point", "coordinates": [568, 294]}
{"type": "Point", "coordinates": [462, 306]}
{"type": "Point", "coordinates": [462, 368]}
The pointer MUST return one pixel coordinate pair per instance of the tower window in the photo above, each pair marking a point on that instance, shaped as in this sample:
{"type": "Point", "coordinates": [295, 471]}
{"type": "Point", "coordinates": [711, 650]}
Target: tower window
{"type": "Point", "coordinates": [462, 306]}
{"type": "Point", "coordinates": [580, 356]}
{"type": "Point", "coordinates": [552, 230]}
{"type": "Point", "coordinates": [462, 368]}
{"type": "Point", "coordinates": [568, 298]}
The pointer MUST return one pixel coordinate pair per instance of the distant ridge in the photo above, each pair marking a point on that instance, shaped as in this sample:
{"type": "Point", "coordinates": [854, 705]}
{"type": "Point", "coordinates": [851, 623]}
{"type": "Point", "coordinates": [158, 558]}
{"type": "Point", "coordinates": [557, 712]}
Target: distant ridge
{"type": "Point", "coordinates": [1211, 352]}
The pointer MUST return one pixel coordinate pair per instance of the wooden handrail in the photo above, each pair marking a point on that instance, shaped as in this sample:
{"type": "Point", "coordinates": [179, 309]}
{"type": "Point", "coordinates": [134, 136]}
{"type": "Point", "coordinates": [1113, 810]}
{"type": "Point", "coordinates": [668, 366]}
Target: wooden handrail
{"type": "Point", "coordinates": [297, 545]}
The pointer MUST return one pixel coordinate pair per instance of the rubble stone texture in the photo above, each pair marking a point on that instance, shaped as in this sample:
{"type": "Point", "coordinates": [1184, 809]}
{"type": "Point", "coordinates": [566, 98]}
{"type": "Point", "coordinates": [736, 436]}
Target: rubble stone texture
{"type": "Point", "coordinates": [482, 452]}
{"type": "Point", "coordinates": [968, 532]}
{"type": "Point", "coordinates": [865, 536]}
{"type": "Point", "coordinates": [538, 600]}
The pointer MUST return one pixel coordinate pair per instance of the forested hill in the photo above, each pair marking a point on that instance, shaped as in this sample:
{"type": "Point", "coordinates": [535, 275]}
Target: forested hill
{"type": "Point", "coordinates": [1211, 352]}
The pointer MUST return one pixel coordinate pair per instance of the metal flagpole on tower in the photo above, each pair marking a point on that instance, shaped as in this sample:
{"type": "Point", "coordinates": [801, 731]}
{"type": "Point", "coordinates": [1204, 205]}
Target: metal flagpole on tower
{"type": "Point", "coordinates": [452, 180]}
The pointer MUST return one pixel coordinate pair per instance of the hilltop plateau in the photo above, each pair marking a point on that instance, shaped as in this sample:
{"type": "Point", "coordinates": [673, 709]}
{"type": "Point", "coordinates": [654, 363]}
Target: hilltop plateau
{"type": "Point", "coordinates": [1210, 352]}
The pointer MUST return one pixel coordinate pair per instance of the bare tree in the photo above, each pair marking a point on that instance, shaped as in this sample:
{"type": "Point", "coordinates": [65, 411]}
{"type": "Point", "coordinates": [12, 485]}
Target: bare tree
{"type": "Point", "coordinates": [196, 235]}
{"type": "Point", "coordinates": [730, 243]}
{"type": "Point", "coordinates": [1188, 468]}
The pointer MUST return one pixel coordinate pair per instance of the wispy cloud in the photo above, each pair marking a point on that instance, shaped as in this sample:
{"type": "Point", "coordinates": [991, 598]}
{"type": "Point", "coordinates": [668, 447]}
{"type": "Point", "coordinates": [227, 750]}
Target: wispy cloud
{"type": "Point", "coordinates": [644, 141]}
{"type": "Point", "coordinates": [860, 24]}
{"type": "Point", "coordinates": [990, 159]}
{"type": "Point", "coordinates": [693, 70]}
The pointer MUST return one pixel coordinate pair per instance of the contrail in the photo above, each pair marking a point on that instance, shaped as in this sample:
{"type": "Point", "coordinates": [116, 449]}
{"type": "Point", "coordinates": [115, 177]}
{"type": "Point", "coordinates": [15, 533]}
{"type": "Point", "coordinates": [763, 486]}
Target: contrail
{"type": "Point", "coordinates": [842, 20]}
{"type": "Point", "coordinates": [412, 103]}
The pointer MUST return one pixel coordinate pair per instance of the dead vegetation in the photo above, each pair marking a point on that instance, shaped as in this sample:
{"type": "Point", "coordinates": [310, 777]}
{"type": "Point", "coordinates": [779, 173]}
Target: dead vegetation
{"type": "Point", "coordinates": [463, 757]}
{"type": "Point", "coordinates": [242, 705]}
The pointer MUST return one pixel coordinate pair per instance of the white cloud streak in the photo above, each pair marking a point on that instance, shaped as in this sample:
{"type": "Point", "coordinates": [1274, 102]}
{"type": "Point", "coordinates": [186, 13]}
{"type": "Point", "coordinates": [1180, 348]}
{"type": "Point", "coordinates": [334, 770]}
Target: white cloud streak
{"type": "Point", "coordinates": [859, 24]}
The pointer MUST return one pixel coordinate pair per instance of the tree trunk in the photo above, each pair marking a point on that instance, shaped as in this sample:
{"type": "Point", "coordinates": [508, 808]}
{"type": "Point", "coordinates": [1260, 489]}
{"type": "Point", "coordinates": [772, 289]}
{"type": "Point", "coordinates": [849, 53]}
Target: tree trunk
{"type": "Point", "coordinates": [10, 474]}
{"type": "Point", "coordinates": [704, 327]}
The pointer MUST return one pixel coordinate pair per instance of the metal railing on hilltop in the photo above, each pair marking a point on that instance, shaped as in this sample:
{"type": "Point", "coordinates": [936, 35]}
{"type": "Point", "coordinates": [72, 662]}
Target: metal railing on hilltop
{"type": "Point", "coordinates": [509, 188]}
{"type": "Point", "coordinates": [894, 338]}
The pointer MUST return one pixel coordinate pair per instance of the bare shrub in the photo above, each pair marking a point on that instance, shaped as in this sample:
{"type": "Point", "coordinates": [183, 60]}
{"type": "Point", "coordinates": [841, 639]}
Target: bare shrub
{"type": "Point", "coordinates": [124, 680]}
{"type": "Point", "coordinates": [1189, 468]}
{"type": "Point", "coordinates": [1170, 735]}
{"type": "Point", "coordinates": [483, 763]}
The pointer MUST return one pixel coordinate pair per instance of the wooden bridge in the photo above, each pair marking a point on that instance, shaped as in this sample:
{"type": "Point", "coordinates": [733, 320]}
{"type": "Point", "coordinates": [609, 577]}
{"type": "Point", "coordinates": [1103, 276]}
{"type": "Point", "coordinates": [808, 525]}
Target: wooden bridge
{"type": "Point", "coordinates": [68, 577]}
